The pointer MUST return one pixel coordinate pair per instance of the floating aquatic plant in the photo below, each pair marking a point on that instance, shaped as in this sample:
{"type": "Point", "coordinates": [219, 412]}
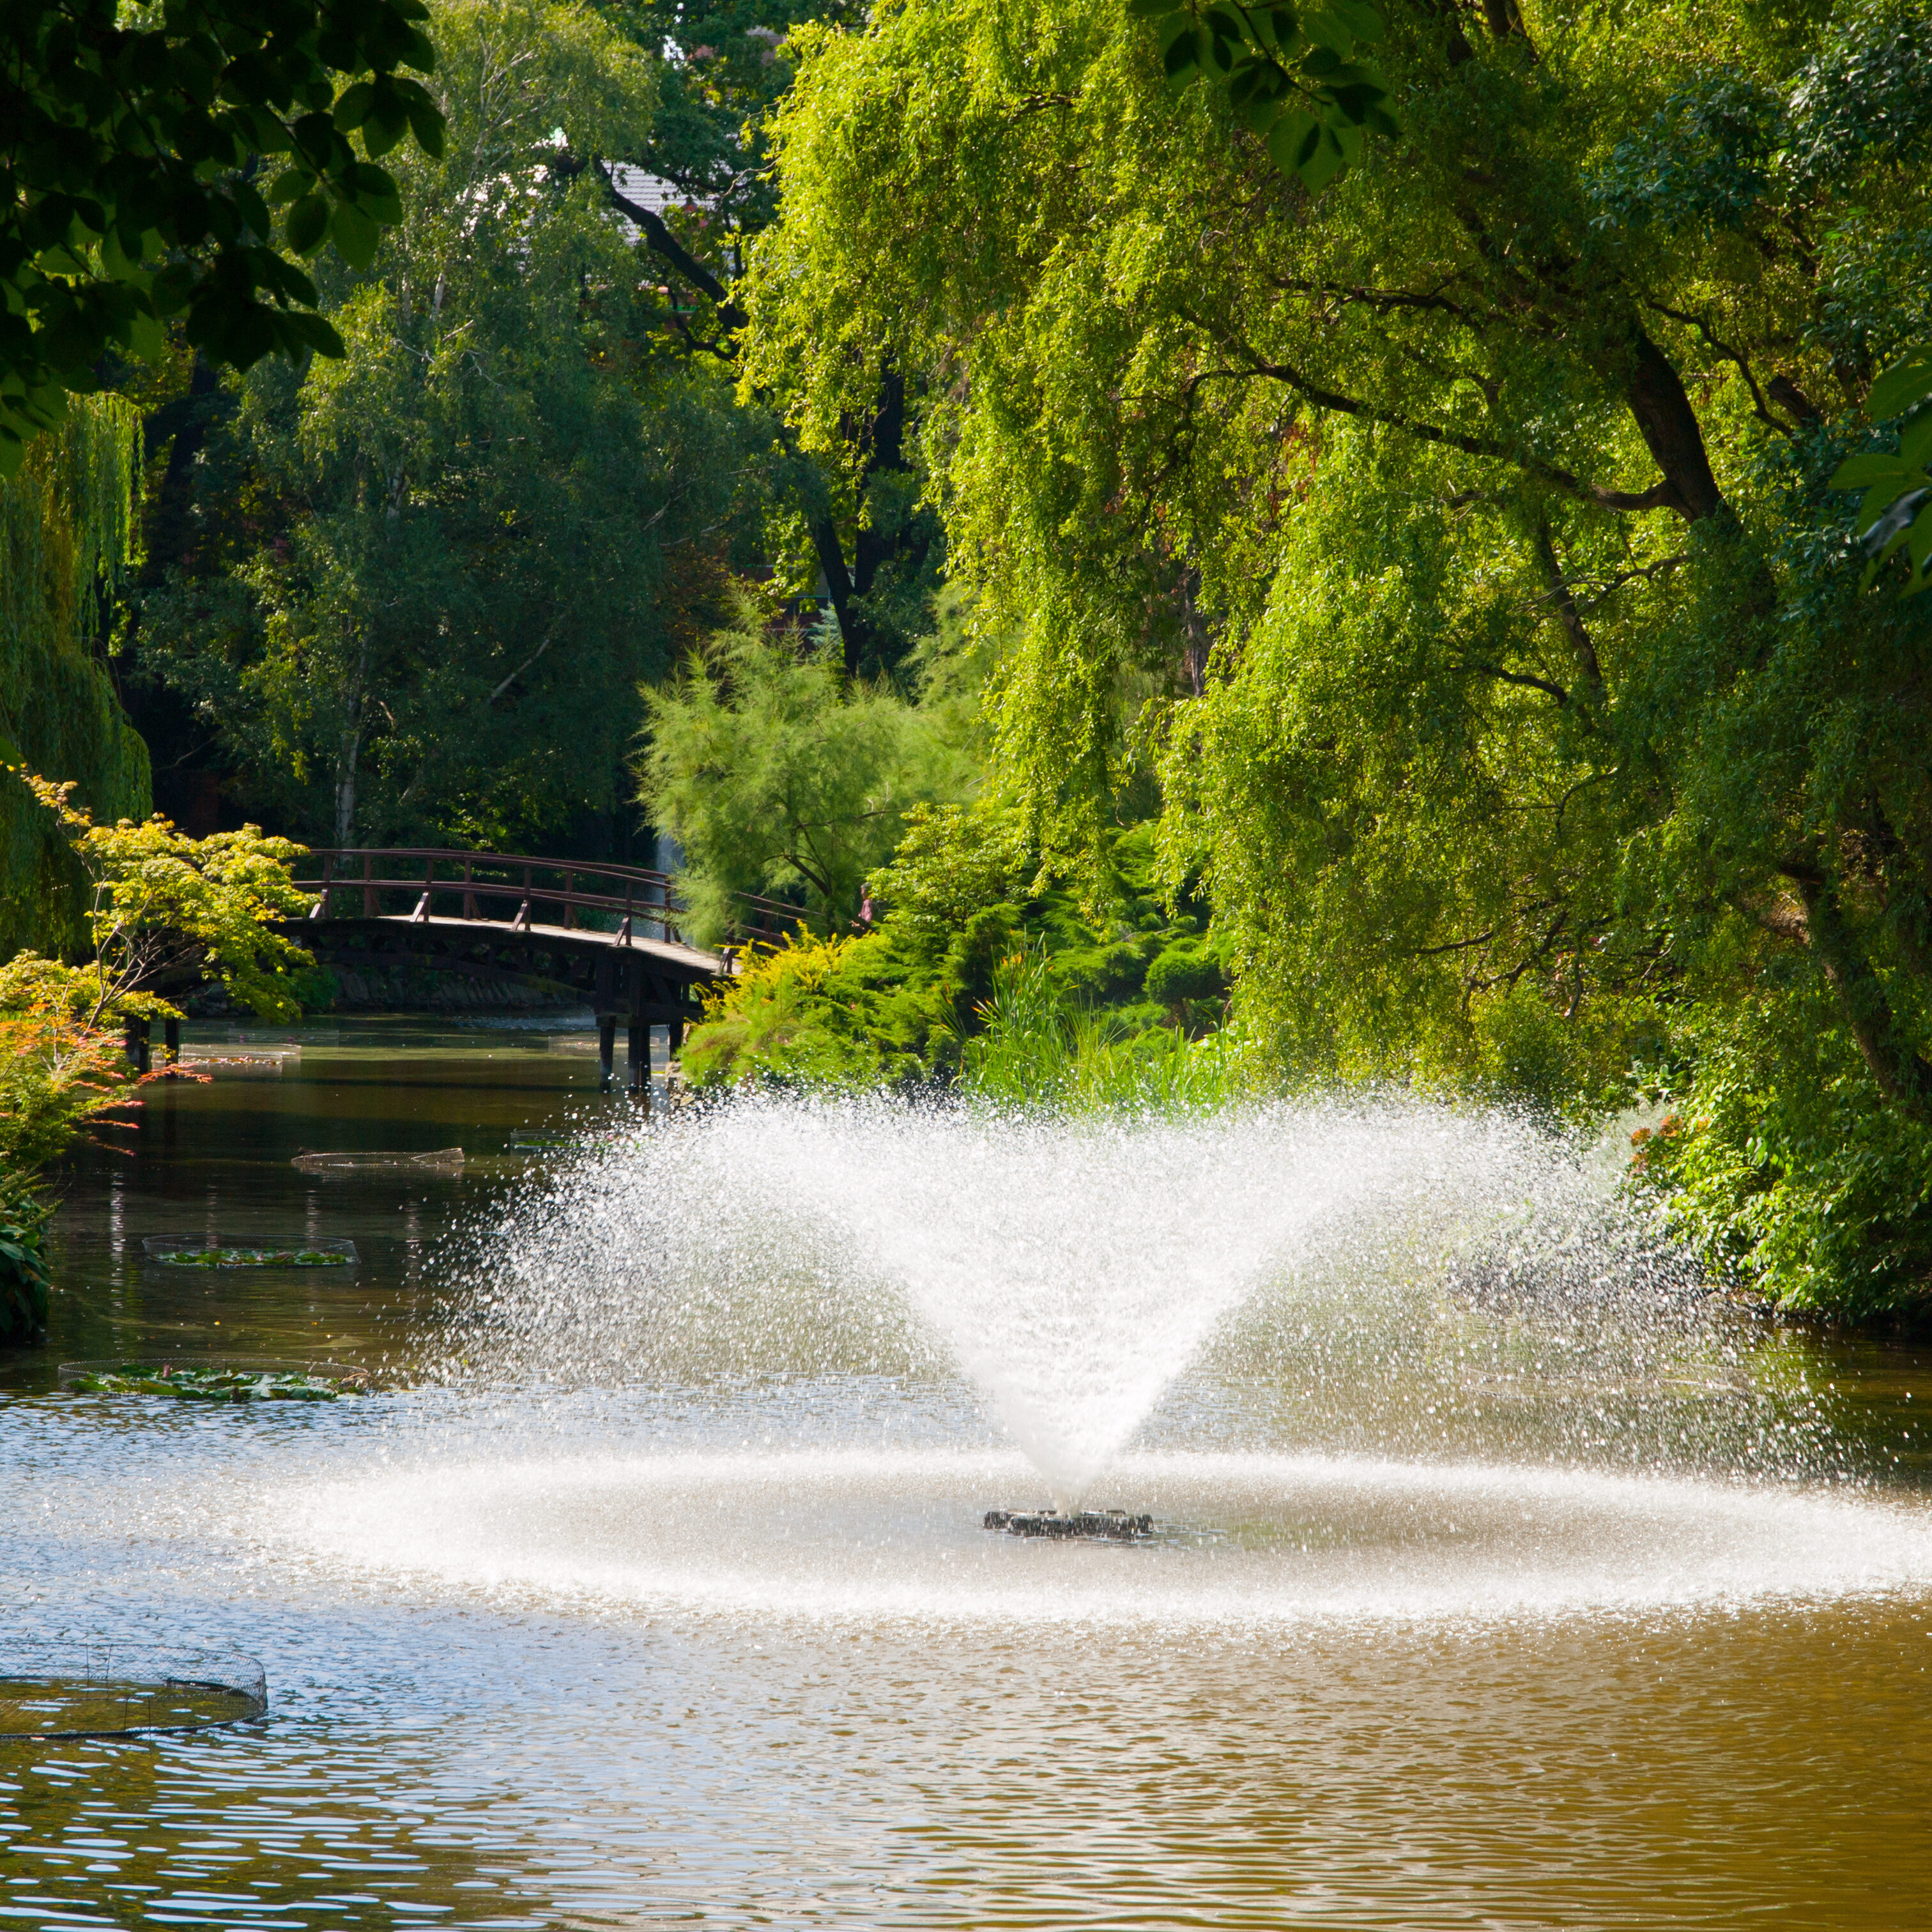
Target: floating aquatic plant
{"type": "Point", "coordinates": [217, 1384]}
{"type": "Point", "coordinates": [224, 1258]}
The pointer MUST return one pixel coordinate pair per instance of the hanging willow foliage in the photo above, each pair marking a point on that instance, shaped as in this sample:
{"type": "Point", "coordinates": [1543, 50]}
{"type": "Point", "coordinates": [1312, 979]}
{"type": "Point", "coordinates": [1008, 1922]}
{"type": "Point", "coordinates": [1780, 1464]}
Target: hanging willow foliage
{"type": "Point", "coordinates": [68, 535]}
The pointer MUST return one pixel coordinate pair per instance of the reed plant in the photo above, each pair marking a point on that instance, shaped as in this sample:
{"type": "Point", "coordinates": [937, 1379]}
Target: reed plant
{"type": "Point", "coordinates": [1039, 1047]}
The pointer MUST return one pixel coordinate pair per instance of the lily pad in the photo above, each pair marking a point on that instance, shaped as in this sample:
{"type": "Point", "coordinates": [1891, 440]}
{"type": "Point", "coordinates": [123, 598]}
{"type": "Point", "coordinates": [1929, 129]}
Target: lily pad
{"type": "Point", "coordinates": [188, 1251]}
{"type": "Point", "coordinates": [216, 1383]}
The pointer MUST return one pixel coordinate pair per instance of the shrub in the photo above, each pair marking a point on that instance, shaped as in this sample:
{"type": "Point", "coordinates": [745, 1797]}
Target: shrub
{"type": "Point", "coordinates": [57, 1073]}
{"type": "Point", "coordinates": [24, 1282]}
{"type": "Point", "coordinates": [1781, 1169]}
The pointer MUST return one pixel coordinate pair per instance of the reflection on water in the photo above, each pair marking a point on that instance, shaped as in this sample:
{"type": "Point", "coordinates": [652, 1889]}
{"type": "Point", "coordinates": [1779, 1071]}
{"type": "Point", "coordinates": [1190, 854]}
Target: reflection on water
{"type": "Point", "coordinates": [1427, 1644]}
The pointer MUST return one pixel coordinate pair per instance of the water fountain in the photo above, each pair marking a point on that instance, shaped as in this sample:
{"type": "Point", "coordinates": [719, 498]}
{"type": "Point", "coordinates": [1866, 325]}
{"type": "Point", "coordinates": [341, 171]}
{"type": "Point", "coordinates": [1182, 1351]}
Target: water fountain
{"type": "Point", "coordinates": [846, 1340]}
{"type": "Point", "coordinates": [1474, 1563]}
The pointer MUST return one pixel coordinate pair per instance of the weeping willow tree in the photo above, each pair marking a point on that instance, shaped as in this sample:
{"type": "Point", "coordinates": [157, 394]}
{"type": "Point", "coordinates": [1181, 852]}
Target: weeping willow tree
{"type": "Point", "coordinates": [67, 535]}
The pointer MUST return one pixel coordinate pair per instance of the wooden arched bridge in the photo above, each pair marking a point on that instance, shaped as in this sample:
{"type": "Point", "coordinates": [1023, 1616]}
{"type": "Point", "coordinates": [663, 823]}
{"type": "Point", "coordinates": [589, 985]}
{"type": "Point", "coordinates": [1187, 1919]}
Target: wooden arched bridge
{"type": "Point", "coordinates": [607, 933]}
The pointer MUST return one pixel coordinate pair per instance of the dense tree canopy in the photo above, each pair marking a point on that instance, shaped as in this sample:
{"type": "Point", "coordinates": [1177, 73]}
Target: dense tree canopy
{"type": "Point", "coordinates": [68, 538]}
{"type": "Point", "coordinates": [1527, 726]}
{"type": "Point", "coordinates": [779, 778]}
{"type": "Point", "coordinates": [479, 529]}
{"type": "Point", "coordinates": [133, 190]}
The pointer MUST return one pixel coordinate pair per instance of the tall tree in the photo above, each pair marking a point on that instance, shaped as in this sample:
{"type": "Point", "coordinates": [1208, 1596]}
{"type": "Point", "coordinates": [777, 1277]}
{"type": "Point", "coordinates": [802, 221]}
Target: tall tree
{"type": "Point", "coordinates": [855, 523]}
{"type": "Point", "coordinates": [1482, 497]}
{"type": "Point", "coordinates": [68, 537]}
{"type": "Point", "coordinates": [491, 511]}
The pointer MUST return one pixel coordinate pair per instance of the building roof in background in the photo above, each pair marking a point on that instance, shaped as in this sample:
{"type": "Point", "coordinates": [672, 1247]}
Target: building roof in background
{"type": "Point", "coordinates": [647, 191]}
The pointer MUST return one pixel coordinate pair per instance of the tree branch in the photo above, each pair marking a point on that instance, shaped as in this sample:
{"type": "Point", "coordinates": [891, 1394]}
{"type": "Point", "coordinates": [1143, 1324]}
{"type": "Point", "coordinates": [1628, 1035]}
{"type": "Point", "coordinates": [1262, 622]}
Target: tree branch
{"type": "Point", "coordinates": [1671, 432]}
{"type": "Point", "coordinates": [1542, 684]}
{"type": "Point", "coordinates": [522, 667]}
{"type": "Point", "coordinates": [1903, 1075]}
{"type": "Point", "coordinates": [1720, 348]}
{"type": "Point", "coordinates": [1567, 614]}
{"type": "Point", "coordinates": [659, 239]}
{"type": "Point", "coordinates": [1662, 495]}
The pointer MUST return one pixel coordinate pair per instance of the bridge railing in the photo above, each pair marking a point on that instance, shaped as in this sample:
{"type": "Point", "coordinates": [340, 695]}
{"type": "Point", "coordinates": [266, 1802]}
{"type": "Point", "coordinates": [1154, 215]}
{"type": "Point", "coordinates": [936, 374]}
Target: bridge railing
{"type": "Point", "coordinates": [517, 889]}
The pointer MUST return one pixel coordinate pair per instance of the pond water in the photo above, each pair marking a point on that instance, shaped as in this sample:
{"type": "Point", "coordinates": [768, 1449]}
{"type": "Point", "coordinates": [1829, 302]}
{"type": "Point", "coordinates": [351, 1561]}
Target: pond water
{"type": "Point", "coordinates": [1459, 1614]}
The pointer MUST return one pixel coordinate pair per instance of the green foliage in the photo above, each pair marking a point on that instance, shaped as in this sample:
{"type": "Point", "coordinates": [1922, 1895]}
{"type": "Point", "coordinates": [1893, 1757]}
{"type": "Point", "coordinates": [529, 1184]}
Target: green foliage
{"type": "Point", "coordinates": [463, 544]}
{"type": "Point", "coordinates": [1040, 1047]}
{"type": "Point", "coordinates": [58, 1071]}
{"type": "Point", "coordinates": [778, 778]}
{"type": "Point", "coordinates": [964, 904]}
{"type": "Point", "coordinates": [165, 911]}
{"type": "Point", "coordinates": [1304, 83]}
{"type": "Point", "coordinates": [1469, 523]}
{"type": "Point", "coordinates": [1897, 509]}
{"type": "Point", "coordinates": [850, 1012]}
{"type": "Point", "coordinates": [67, 539]}
{"type": "Point", "coordinates": [724, 64]}
{"type": "Point", "coordinates": [135, 144]}
{"type": "Point", "coordinates": [25, 1282]}
{"type": "Point", "coordinates": [1185, 973]}
{"type": "Point", "coordinates": [1777, 1168]}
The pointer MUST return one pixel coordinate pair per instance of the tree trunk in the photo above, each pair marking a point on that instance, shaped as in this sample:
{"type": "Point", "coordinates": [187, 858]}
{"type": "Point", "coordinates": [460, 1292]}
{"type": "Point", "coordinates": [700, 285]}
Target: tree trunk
{"type": "Point", "coordinates": [1903, 1074]}
{"type": "Point", "coordinates": [349, 751]}
{"type": "Point", "coordinates": [838, 587]}
{"type": "Point", "coordinates": [1670, 429]}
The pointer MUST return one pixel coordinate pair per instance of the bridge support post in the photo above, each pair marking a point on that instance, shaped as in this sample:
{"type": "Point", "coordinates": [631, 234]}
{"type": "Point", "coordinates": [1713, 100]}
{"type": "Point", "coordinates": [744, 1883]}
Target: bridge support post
{"type": "Point", "coordinates": [140, 1054]}
{"type": "Point", "coordinates": [637, 1053]}
{"type": "Point", "coordinates": [606, 1048]}
{"type": "Point", "coordinates": [171, 1040]}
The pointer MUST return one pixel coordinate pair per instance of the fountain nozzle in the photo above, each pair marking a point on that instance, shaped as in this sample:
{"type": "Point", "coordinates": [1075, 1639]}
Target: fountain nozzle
{"type": "Point", "coordinates": [1109, 1526]}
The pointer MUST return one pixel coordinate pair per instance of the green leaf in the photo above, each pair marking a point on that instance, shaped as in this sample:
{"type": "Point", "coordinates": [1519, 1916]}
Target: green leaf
{"type": "Point", "coordinates": [1182, 54]}
{"type": "Point", "coordinates": [1890, 530]}
{"type": "Point", "coordinates": [352, 106]}
{"type": "Point", "coordinates": [1324, 164]}
{"type": "Point", "coordinates": [1915, 441]}
{"type": "Point", "coordinates": [1357, 103]}
{"type": "Point", "coordinates": [254, 210]}
{"type": "Point", "coordinates": [308, 223]}
{"type": "Point", "coordinates": [1858, 472]}
{"type": "Point", "coordinates": [426, 120]}
{"type": "Point", "coordinates": [1277, 28]}
{"type": "Point", "coordinates": [1918, 547]}
{"type": "Point", "coordinates": [1293, 140]}
{"type": "Point", "coordinates": [312, 332]}
{"type": "Point", "coordinates": [381, 132]}
{"type": "Point", "coordinates": [1327, 29]}
{"type": "Point", "coordinates": [356, 236]}
{"type": "Point", "coordinates": [289, 183]}
{"type": "Point", "coordinates": [147, 339]}
{"type": "Point", "coordinates": [1363, 21]}
{"type": "Point", "coordinates": [1899, 388]}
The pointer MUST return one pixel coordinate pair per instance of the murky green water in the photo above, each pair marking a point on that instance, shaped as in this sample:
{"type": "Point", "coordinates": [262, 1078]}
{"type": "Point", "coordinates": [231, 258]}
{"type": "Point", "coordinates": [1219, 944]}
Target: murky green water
{"type": "Point", "coordinates": [688, 1653]}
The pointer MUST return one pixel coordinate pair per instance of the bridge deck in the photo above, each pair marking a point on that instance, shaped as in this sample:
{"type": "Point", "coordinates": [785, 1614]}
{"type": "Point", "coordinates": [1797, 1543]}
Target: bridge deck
{"type": "Point", "coordinates": [687, 962]}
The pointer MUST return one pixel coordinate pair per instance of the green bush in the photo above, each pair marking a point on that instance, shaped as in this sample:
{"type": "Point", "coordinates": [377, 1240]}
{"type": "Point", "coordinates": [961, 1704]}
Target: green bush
{"type": "Point", "coordinates": [965, 898]}
{"type": "Point", "coordinates": [24, 1280]}
{"type": "Point", "coordinates": [1041, 1047]}
{"type": "Point", "coordinates": [1185, 971]}
{"type": "Point", "coordinates": [842, 1012]}
{"type": "Point", "coordinates": [1783, 1167]}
